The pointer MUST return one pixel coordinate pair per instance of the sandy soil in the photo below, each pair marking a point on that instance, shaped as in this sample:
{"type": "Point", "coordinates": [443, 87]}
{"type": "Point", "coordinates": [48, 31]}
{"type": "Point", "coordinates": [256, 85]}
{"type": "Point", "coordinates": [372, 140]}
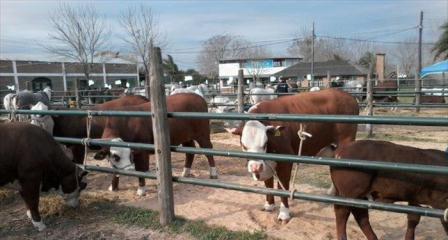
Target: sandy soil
{"type": "Point", "coordinates": [231, 209]}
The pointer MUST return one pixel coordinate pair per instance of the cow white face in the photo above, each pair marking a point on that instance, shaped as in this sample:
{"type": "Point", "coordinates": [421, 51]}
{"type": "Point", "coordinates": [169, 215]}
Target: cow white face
{"type": "Point", "coordinates": [120, 157]}
{"type": "Point", "coordinates": [254, 138]}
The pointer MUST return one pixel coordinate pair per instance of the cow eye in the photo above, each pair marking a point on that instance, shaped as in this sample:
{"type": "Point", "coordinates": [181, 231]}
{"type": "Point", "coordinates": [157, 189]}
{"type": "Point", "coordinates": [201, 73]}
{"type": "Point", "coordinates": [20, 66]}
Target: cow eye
{"type": "Point", "coordinates": [116, 157]}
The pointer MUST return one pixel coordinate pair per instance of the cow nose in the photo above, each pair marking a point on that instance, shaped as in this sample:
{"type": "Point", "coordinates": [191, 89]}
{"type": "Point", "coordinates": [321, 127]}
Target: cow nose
{"type": "Point", "coordinates": [257, 168]}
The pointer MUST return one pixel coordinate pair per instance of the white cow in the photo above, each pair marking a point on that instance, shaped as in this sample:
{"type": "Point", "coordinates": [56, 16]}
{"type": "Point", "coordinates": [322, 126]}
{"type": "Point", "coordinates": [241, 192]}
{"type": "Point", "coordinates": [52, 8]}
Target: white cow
{"type": "Point", "coordinates": [222, 100]}
{"type": "Point", "coordinates": [44, 121]}
{"type": "Point", "coordinates": [254, 98]}
{"type": "Point", "coordinates": [200, 90]}
{"type": "Point", "coordinates": [314, 89]}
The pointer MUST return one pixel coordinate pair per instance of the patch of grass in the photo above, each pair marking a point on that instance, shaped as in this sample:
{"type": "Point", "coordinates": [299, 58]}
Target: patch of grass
{"type": "Point", "coordinates": [150, 219]}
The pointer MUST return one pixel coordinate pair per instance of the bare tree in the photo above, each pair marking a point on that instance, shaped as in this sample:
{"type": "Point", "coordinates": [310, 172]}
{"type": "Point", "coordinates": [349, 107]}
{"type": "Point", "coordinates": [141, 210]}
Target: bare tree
{"type": "Point", "coordinates": [142, 32]}
{"type": "Point", "coordinates": [80, 34]}
{"type": "Point", "coordinates": [405, 55]}
{"type": "Point", "coordinates": [220, 47]}
{"type": "Point", "coordinates": [255, 64]}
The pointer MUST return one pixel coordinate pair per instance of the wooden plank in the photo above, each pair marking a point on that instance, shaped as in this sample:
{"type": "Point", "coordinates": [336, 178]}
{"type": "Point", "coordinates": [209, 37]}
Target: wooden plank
{"type": "Point", "coordinates": [240, 91]}
{"type": "Point", "coordinates": [161, 133]}
{"type": "Point", "coordinates": [369, 104]}
{"type": "Point", "coordinates": [16, 77]}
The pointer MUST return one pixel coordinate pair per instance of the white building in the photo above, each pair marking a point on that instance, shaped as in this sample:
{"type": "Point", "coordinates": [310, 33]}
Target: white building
{"type": "Point", "coordinates": [261, 69]}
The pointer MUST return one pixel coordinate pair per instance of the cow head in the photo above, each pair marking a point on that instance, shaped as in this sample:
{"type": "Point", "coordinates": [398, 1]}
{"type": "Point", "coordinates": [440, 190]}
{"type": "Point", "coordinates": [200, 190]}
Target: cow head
{"type": "Point", "coordinates": [71, 188]}
{"type": "Point", "coordinates": [255, 138]}
{"type": "Point", "coordinates": [118, 157]}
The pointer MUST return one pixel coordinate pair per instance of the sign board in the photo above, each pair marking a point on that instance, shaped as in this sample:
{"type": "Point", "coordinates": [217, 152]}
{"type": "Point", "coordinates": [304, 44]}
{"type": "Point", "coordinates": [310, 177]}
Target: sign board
{"type": "Point", "coordinates": [188, 78]}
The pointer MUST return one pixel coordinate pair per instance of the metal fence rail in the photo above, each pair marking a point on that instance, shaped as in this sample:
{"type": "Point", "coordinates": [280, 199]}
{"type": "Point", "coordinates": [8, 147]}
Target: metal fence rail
{"type": "Point", "coordinates": [428, 212]}
{"type": "Point", "coordinates": [418, 121]}
{"type": "Point", "coordinates": [347, 163]}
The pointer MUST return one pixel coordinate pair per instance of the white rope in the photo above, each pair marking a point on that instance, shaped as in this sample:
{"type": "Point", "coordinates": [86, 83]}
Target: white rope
{"type": "Point", "coordinates": [85, 141]}
{"type": "Point", "coordinates": [302, 136]}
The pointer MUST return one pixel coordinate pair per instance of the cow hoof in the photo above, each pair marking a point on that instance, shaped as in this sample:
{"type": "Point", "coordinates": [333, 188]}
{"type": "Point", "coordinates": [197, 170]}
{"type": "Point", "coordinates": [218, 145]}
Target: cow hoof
{"type": "Point", "coordinates": [213, 173]}
{"type": "Point", "coordinates": [284, 214]}
{"type": "Point", "coordinates": [40, 226]}
{"type": "Point", "coordinates": [141, 191]}
{"type": "Point", "coordinates": [186, 172]}
{"type": "Point", "coordinates": [268, 207]}
{"type": "Point", "coordinates": [112, 189]}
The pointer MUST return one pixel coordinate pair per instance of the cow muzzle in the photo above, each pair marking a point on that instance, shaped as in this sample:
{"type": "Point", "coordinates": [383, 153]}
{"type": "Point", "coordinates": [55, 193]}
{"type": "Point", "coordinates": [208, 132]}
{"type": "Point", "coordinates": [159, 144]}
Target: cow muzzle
{"type": "Point", "coordinates": [261, 170]}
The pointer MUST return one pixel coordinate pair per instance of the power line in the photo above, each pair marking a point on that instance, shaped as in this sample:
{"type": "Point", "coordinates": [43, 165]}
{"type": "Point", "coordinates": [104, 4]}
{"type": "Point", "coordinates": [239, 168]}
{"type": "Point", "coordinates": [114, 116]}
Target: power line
{"type": "Point", "coordinates": [372, 41]}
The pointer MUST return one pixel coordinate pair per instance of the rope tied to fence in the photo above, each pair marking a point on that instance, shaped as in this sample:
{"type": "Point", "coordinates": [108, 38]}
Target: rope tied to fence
{"type": "Point", "coordinates": [85, 141]}
{"type": "Point", "coordinates": [303, 135]}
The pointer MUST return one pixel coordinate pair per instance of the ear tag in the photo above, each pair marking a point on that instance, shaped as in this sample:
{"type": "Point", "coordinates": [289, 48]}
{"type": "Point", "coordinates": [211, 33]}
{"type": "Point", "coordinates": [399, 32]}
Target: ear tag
{"type": "Point", "coordinates": [277, 133]}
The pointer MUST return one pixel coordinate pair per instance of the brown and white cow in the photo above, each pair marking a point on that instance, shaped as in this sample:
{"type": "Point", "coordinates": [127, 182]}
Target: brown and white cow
{"type": "Point", "coordinates": [75, 127]}
{"type": "Point", "coordinates": [139, 129]}
{"type": "Point", "coordinates": [32, 157]}
{"type": "Point", "coordinates": [281, 137]}
{"type": "Point", "coordinates": [386, 186]}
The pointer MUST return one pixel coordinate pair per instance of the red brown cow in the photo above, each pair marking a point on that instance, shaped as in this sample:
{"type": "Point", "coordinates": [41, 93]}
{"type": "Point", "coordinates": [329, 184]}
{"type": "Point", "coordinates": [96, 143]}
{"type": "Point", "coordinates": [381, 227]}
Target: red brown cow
{"type": "Point", "coordinates": [75, 127]}
{"type": "Point", "coordinates": [281, 137]}
{"type": "Point", "coordinates": [431, 99]}
{"type": "Point", "coordinates": [32, 157]}
{"type": "Point", "coordinates": [139, 129]}
{"type": "Point", "coordinates": [386, 186]}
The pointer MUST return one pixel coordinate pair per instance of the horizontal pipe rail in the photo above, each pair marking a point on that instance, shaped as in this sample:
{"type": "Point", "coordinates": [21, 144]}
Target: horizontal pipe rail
{"type": "Point", "coordinates": [428, 212]}
{"type": "Point", "coordinates": [346, 163]}
{"type": "Point", "coordinates": [418, 121]}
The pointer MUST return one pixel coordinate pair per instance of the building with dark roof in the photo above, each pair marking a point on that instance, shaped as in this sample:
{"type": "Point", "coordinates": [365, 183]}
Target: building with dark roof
{"type": "Point", "coordinates": [324, 72]}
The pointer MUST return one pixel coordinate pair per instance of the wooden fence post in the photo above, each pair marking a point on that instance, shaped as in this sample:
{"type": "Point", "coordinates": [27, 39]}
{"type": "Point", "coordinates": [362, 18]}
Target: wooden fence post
{"type": "Point", "coordinates": [161, 133]}
{"type": "Point", "coordinates": [418, 89]}
{"type": "Point", "coordinates": [16, 76]}
{"type": "Point", "coordinates": [240, 91]}
{"type": "Point", "coordinates": [369, 99]}
{"type": "Point", "coordinates": [77, 96]}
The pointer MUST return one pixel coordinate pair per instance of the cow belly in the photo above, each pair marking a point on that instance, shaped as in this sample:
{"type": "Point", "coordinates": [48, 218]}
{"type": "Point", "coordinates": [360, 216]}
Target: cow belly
{"type": "Point", "coordinates": [393, 189]}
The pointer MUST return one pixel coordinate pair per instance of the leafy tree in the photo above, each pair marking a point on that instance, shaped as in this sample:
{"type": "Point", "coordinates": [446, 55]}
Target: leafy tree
{"type": "Point", "coordinates": [171, 69]}
{"type": "Point", "coordinates": [441, 47]}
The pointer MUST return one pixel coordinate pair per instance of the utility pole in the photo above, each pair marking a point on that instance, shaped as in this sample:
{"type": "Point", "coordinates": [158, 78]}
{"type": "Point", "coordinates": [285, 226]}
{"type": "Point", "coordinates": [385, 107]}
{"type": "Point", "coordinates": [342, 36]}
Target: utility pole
{"type": "Point", "coordinates": [420, 33]}
{"type": "Point", "coordinates": [312, 57]}
{"type": "Point", "coordinates": [418, 81]}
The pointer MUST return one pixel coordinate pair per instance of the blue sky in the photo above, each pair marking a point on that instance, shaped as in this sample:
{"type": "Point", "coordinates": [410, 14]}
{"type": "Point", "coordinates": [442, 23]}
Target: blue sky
{"type": "Point", "coordinates": [24, 25]}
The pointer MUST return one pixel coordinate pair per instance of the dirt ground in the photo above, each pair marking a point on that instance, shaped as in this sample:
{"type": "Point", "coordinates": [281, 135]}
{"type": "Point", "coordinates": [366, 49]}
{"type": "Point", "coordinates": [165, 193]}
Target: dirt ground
{"type": "Point", "coordinates": [231, 209]}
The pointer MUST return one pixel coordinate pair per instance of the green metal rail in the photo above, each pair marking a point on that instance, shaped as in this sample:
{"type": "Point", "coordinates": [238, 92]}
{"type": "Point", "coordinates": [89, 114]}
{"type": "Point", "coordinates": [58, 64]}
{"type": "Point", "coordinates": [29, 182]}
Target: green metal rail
{"type": "Point", "coordinates": [428, 212]}
{"type": "Point", "coordinates": [441, 121]}
{"type": "Point", "coordinates": [347, 163]}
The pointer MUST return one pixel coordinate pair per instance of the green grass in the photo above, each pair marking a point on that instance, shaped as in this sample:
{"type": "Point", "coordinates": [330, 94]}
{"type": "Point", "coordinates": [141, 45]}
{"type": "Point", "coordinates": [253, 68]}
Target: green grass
{"type": "Point", "coordinates": [144, 218]}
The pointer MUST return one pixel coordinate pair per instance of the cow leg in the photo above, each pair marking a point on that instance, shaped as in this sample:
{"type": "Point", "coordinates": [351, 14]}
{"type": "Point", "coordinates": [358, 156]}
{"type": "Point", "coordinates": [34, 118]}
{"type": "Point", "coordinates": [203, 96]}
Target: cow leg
{"type": "Point", "coordinates": [413, 221]}
{"type": "Point", "coordinates": [269, 205]}
{"type": "Point", "coordinates": [30, 194]}
{"type": "Point", "coordinates": [206, 143]}
{"type": "Point", "coordinates": [342, 213]}
{"type": "Point", "coordinates": [445, 226]}
{"type": "Point", "coordinates": [115, 181]}
{"type": "Point", "coordinates": [141, 161]}
{"type": "Point", "coordinates": [362, 218]}
{"type": "Point", "coordinates": [188, 160]}
{"type": "Point", "coordinates": [284, 174]}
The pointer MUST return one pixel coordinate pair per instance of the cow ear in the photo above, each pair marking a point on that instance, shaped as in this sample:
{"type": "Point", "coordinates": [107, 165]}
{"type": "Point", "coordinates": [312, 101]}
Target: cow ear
{"type": "Point", "coordinates": [235, 131]}
{"type": "Point", "coordinates": [275, 130]}
{"type": "Point", "coordinates": [328, 151]}
{"type": "Point", "coordinates": [102, 154]}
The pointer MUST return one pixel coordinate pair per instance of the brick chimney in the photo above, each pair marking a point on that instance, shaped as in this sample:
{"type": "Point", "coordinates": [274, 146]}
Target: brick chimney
{"type": "Point", "coordinates": [380, 66]}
